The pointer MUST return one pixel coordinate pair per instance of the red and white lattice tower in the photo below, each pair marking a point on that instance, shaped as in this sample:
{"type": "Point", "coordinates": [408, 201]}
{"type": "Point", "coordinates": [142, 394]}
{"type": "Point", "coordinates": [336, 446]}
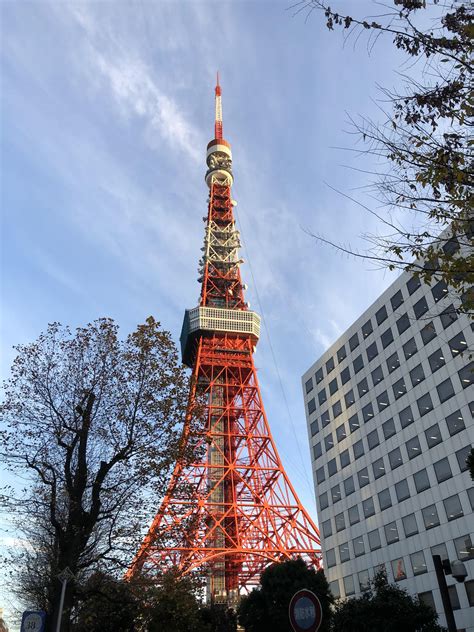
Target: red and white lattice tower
{"type": "Point", "coordinates": [240, 512]}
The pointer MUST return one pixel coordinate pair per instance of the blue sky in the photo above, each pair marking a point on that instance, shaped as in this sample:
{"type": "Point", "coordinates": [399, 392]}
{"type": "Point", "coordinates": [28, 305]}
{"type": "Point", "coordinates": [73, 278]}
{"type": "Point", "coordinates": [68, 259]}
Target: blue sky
{"type": "Point", "coordinates": [107, 110]}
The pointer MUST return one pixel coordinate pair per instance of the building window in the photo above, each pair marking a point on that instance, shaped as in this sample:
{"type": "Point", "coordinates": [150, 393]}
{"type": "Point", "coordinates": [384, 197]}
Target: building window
{"type": "Point", "coordinates": [377, 375]}
{"type": "Point", "coordinates": [403, 323]}
{"type": "Point", "coordinates": [464, 548]}
{"type": "Point", "coordinates": [327, 528]}
{"type": "Point", "coordinates": [353, 342]}
{"type": "Point", "coordinates": [409, 525]}
{"type": "Point", "coordinates": [353, 513]}
{"type": "Point", "coordinates": [396, 300]}
{"type": "Point", "coordinates": [354, 422]}
{"type": "Point", "coordinates": [345, 375]}
{"type": "Point", "coordinates": [372, 351]}
{"type": "Point", "coordinates": [393, 362]}
{"type": "Point", "coordinates": [319, 376]}
{"type": "Point", "coordinates": [345, 458]}
{"type": "Point", "coordinates": [337, 409]}
{"type": "Point", "coordinates": [364, 581]}
{"type": "Point", "coordinates": [309, 385]}
{"type": "Point", "coordinates": [341, 433]}
{"type": "Point", "coordinates": [349, 398]}
{"type": "Point", "coordinates": [469, 586]}
{"type": "Point", "coordinates": [417, 375]}
{"type": "Point", "coordinates": [320, 475]}
{"type": "Point", "coordinates": [448, 316]}
{"type": "Point", "coordinates": [363, 477]}
{"type": "Point", "coordinates": [333, 386]}
{"type": "Point", "coordinates": [441, 550]}
{"type": "Point", "coordinates": [433, 436]}
{"type": "Point", "coordinates": [386, 338]}
{"type": "Point", "coordinates": [388, 428]}
{"type": "Point", "coordinates": [358, 449]}
{"type": "Point", "coordinates": [451, 246]}
{"type": "Point", "coordinates": [461, 456]}
{"type": "Point", "coordinates": [341, 354]}
{"type": "Point", "coordinates": [385, 500]}
{"type": "Point", "coordinates": [373, 439]}
{"type": "Point", "coordinates": [413, 447]}
{"type": "Point", "coordinates": [349, 585]}
{"type": "Point", "coordinates": [455, 423]}
{"type": "Point", "coordinates": [413, 284]}
{"type": "Point", "coordinates": [418, 563]}
{"type": "Point", "coordinates": [328, 441]}
{"type": "Point", "coordinates": [382, 401]}
{"type": "Point", "coordinates": [391, 532]}
{"type": "Point", "coordinates": [314, 428]}
{"type": "Point", "coordinates": [399, 388]}
{"type": "Point", "coordinates": [368, 507]}
{"type": "Point", "coordinates": [445, 390]}
{"type": "Point", "coordinates": [421, 480]}
{"type": "Point", "coordinates": [442, 470]}
{"type": "Point", "coordinates": [395, 458]}
{"type": "Point", "coordinates": [358, 544]}
{"type": "Point", "coordinates": [329, 365]}
{"type": "Point", "coordinates": [367, 412]}
{"type": "Point", "coordinates": [470, 494]}
{"type": "Point", "coordinates": [323, 501]}
{"type": "Point", "coordinates": [344, 554]}
{"type": "Point", "coordinates": [402, 490]}
{"type": "Point", "coordinates": [349, 486]}
{"type": "Point", "coordinates": [335, 589]}
{"type": "Point", "coordinates": [358, 363]}
{"type": "Point", "coordinates": [428, 599]}
{"type": "Point", "coordinates": [436, 360]}
{"type": "Point", "coordinates": [367, 329]}
{"type": "Point", "coordinates": [439, 291]}
{"type": "Point", "coordinates": [381, 315]}
{"type": "Point", "coordinates": [421, 307]}
{"type": "Point", "coordinates": [340, 522]}
{"type": "Point", "coordinates": [325, 419]}
{"type": "Point", "coordinates": [409, 348]}
{"type": "Point", "coordinates": [322, 397]}
{"type": "Point", "coordinates": [374, 540]}
{"type": "Point", "coordinates": [378, 468]}
{"type": "Point", "coordinates": [311, 406]}
{"type": "Point", "coordinates": [317, 451]}
{"type": "Point", "coordinates": [453, 508]}
{"type": "Point", "coordinates": [428, 333]}
{"type": "Point", "coordinates": [466, 375]}
{"type": "Point", "coordinates": [363, 387]}
{"type": "Point", "coordinates": [406, 417]}
{"type": "Point", "coordinates": [332, 467]}
{"type": "Point", "coordinates": [457, 344]}
{"type": "Point", "coordinates": [398, 569]}
{"type": "Point", "coordinates": [430, 517]}
{"type": "Point", "coordinates": [453, 597]}
{"type": "Point", "coordinates": [330, 558]}
{"type": "Point", "coordinates": [425, 405]}
{"type": "Point", "coordinates": [335, 493]}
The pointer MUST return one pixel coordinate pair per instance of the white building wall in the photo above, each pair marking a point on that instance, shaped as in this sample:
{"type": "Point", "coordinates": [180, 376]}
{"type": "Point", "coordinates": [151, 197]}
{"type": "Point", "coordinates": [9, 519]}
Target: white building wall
{"type": "Point", "coordinates": [414, 458]}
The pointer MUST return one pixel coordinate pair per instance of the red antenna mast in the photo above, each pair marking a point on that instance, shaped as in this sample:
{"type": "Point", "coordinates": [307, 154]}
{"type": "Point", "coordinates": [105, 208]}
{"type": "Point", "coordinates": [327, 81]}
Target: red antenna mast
{"type": "Point", "coordinates": [218, 117]}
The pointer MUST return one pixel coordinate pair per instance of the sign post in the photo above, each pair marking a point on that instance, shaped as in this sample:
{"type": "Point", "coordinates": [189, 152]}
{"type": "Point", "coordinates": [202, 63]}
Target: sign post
{"type": "Point", "coordinates": [305, 611]}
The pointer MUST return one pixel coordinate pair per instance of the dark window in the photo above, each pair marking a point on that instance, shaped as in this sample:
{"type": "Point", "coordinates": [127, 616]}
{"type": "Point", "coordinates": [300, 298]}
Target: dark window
{"type": "Point", "coordinates": [367, 412]}
{"type": "Point", "coordinates": [388, 428]}
{"type": "Point", "coordinates": [418, 563]}
{"type": "Point", "coordinates": [441, 550]}
{"type": "Point", "coordinates": [317, 450]}
{"type": "Point", "coordinates": [393, 362]}
{"type": "Point", "coordinates": [420, 307]}
{"type": "Point", "coordinates": [349, 398]}
{"type": "Point", "coordinates": [322, 396]}
{"type": "Point", "coordinates": [436, 360]}
{"type": "Point", "coordinates": [466, 375]}
{"type": "Point", "coordinates": [320, 475]}
{"type": "Point", "coordinates": [341, 432]}
{"type": "Point", "coordinates": [439, 291]}
{"type": "Point", "coordinates": [428, 332]}
{"type": "Point", "coordinates": [344, 552]}
{"type": "Point", "coordinates": [461, 456]}
{"type": "Point", "coordinates": [403, 323]}
{"type": "Point", "coordinates": [453, 508]}
{"type": "Point", "coordinates": [345, 458]}
{"type": "Point", "coordinates": [469, 586]}
{"type": "Point", "coordinates": [358, 448]}
{"type": "Point", "coordinates": [373, 439]}
{"type": "Point", "coordinates": [328, 441]}
{"type": "Point", "coordinates": [358, 363]}
{"type": "Point", "coordinates": [409, 525]}
{"type": "Point", "coordinates": [455, 422]}
{"type": "Point", "coordinates": [402, 490]}
{"type": "Point", "coordinates": [396, 300]}
{"type": "Point", "coordinates": [345, 375]}
{"type": "Point", "coordinates": [354, 422]}
{"type": "Point", "coordinates": [341, 354]}
{"type": "Point", "coordinates": [340, 522]}
{"type": "Point", "coordinates": [333, 386]}
{"type": "Point", "coordinates": [364, 580]}
{"type": "Point", "coordinates": [314, 428]}
{"type": "Point", "coordinates": [309, 385]}
{"type": "Point", "coordinates": [409, 348]}
{"type": "Point", "coordinates": [442, 470]}
{"type": "Point", "coordinates": [332, 467]}
{"type": "Point", "coordinates": [382, 401]}
{"type": "Point", "coordinates": [445, 390]}
{"type": "Point", "coordinates": [413, 284]}
{"type": "Point", "coordinates": [406, 417]}
{"type": "Point", "coordinates": [448, 316]}
{"type": "Point", "coordinates": [363, 387]}
{"type": "Point", "coordinates": [378, 468]}
{"type": "Point", "coordinates": [381, 315]}
{"type": "Point", "coordinates": [323, 501]}
{"type": "Point", "coordinates": [464, 548]}
{"type": "Point", "coordinates": [349, 486]}
{"type": "Point", "coordinates": [349, 586]}
{"type": "Point", "coordinates": [421, 480]}
{"type": "Point", "coordinates": [451, 246]}
{"type": "Point", "coordinates": [391, 532]}
{"type": "Point", "coordinates": [363, 477]}
{"type": "Point", "coordinates": [425, 405]}
{"type": "Point", "coordinates": [368, 507]}
{"type": "Point", "coordinates": [327, 528]}
{"type": "Point", "coordinates": [395, 458]}
{"type": "Point", "coordinates": [385, 500]}
{"type": "Point", "coordinates": [367, 329]}
{"type": "Point", "coordinates": [330, 558]}
{"type": "Point", "coordinates": [457, 344]}
{"type": "Point", "coordinates": [427, 599]}
{"type": "Point", "coordinates": [453, 597]}
{"type": "Point", "coordinates": [311, 406]}
{"type": "Point", "coordinates": [470, 493]}
{"type": "Point", "coordinates": [386, 338]}
{"type": "Point", "coordinates": [353, 513]}
{"type": "Point", "coordinates": [325, 419]}
{"type": "Point", "coordinates": [319, 376]}
{"type": "Point", "coordinates": [335, 588]}
{"type": "Point", "coordinates": [430, 517]}
{"type": "Point", "coordinates": [329, 365]}
{"type": "Point", "coordinates": [358, 544]}
{"type": "Point", "coordinates": [337, 408]}
{"type": "Point", "coordinates": [417, 375]}
{"type": "Point", "coordinates": [372, 351]}
{"type": "Point", "coordinates": [399, 388]}
{"type": "Point", "coordinates": [377, 375]}
{"type": "Point", "coordinates": [335, 493]}
{"type": "Point", "coordinates": [413, 447]}
{"type": "Point", "coordinates": [433, 435]}
{"type": "Point", "coordinates": [353, 342]}
{"type": "Point", "coordinates": [374, 540]}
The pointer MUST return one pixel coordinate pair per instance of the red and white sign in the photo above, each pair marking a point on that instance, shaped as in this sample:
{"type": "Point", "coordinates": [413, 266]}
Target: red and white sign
{"type": "Point", "coordinates": [306, 613]}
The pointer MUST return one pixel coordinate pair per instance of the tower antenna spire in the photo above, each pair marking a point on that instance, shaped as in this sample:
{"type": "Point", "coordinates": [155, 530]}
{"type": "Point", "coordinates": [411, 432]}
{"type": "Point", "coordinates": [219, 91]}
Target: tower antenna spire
{"type": "Point", "coordinates": [218, 118]}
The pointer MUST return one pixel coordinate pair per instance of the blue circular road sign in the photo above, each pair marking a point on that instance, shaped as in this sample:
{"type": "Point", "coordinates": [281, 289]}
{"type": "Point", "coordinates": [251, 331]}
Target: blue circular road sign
{"type": "Point", "coordinates": [306, 613]}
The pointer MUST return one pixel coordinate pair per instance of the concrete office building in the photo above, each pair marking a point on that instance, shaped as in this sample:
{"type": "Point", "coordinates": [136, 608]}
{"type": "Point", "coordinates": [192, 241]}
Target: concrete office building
{"type": "Point", "coordinates": [390, 411]}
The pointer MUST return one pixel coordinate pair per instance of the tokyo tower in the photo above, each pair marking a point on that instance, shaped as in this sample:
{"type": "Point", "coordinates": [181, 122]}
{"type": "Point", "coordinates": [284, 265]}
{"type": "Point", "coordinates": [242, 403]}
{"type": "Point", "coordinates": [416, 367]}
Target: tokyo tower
{"type": "Point", "coordinates": [233, 511]}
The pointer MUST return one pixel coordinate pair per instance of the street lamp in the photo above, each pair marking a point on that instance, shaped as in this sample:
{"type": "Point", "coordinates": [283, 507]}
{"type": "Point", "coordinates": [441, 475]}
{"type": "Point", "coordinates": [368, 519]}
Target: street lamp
{"type": "Point", "coordinates": [458, 570]}
{"type": "Point", "coordinates": [64, 576]}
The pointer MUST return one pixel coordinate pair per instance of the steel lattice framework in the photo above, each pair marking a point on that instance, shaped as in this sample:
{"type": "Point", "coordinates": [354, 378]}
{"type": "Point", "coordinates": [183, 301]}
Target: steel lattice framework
{"type": "Point", "coordinates": [233, 511]}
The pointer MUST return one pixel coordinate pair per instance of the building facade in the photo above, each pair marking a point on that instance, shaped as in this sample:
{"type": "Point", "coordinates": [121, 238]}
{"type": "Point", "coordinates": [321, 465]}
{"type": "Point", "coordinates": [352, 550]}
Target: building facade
{"type": "Point", "coordinates": [390, 411]}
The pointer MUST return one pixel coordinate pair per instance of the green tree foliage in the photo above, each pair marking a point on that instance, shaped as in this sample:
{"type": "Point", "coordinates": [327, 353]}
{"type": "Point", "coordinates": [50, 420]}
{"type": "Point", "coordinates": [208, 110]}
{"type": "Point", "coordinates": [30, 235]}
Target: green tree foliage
{"type": "Point", "coordinates": [384, 608]}
{"type": "Point", "coordinates": [265, 609]}
{"type": "Point", "coordinates": [427, 181]}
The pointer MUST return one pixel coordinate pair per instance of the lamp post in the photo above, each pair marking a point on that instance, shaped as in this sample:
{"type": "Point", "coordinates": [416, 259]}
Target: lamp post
{"type": "Point", "coordinates": [64, 576]}
{"type": "Point", "coordinates": [458, 570]}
